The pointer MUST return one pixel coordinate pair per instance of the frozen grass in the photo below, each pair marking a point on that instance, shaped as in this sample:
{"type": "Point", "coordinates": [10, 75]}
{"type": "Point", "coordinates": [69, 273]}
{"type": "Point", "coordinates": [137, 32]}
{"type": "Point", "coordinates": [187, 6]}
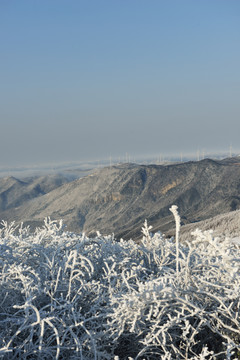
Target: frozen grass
{"type": "Point", "coordinates": [66, 296]}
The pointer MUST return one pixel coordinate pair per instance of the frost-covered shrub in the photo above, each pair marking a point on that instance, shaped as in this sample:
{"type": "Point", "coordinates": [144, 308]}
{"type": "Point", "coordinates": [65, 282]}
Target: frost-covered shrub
{"type": "Point", "coordinates": [67, 296]}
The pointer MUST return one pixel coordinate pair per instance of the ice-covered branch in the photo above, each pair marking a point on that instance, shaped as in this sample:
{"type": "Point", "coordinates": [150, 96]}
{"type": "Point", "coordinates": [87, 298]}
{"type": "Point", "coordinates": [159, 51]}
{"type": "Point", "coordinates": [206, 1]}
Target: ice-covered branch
{"type": "Point", "coordinates": [64, 295]}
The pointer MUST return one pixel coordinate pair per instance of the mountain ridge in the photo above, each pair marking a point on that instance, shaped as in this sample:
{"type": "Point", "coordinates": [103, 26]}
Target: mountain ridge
{"type": "Point", "coordinates": [119, 198]}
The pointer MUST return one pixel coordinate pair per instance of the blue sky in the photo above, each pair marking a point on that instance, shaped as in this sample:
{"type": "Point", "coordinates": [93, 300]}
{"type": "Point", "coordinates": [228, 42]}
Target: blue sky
{"type": "Point", "coordinates": [92, 79]}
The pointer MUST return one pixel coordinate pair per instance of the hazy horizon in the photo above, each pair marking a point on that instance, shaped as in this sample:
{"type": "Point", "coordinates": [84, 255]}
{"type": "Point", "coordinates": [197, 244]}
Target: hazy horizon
{"type": "Point", "coordinates": [87, 80]}
{"type": "Point", "coordinates": [75, 169]}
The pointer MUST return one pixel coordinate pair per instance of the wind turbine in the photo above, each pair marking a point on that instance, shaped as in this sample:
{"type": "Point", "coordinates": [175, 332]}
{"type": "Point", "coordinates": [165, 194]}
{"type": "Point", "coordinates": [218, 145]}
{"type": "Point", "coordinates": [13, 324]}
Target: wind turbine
{"type": "Point", "coordinates": [230, 150]}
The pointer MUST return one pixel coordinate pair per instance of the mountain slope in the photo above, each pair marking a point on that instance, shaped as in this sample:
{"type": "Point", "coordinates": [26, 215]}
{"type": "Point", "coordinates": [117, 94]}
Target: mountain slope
{"type": "Point", "coordinates": [223, 225]}
{"type": "Point", "coordinates": [14, 192]}
{"type": "Point", "coordinates": [119, 198]}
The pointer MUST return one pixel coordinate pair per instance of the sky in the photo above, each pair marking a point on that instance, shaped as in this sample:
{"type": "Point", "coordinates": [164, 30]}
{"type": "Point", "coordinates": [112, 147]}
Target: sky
{"type": "Point", "coordinates": [90, 79]}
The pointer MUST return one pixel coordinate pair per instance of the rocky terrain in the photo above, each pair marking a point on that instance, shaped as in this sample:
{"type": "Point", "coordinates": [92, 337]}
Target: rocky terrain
{"type": "Point", "coordinates": [119, 198]}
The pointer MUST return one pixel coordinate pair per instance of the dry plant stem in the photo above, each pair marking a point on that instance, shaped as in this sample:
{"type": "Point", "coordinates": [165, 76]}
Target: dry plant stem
{"type": "Point", "coordinates": [174, 211]}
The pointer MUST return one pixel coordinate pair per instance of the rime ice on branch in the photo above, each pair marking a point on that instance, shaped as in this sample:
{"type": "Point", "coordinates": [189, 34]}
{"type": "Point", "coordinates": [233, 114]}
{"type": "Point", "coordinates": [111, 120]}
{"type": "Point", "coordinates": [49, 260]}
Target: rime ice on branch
{"type": "Point", "coordinates": [64, 295]}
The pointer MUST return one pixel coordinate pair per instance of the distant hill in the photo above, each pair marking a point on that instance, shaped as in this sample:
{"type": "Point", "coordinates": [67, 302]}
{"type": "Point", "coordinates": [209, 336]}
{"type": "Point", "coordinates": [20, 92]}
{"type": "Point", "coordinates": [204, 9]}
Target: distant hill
{"type": "Point", "coordinates": [118, 199]}
{"type": "Point", "coordinates": [14, 192]}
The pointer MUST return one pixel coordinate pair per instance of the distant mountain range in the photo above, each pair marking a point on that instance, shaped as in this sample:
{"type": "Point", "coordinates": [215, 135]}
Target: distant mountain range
{"type": "Point", "coordinates": [15, 192]}
{"type": "Point", "coordinates": [119, 198]}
